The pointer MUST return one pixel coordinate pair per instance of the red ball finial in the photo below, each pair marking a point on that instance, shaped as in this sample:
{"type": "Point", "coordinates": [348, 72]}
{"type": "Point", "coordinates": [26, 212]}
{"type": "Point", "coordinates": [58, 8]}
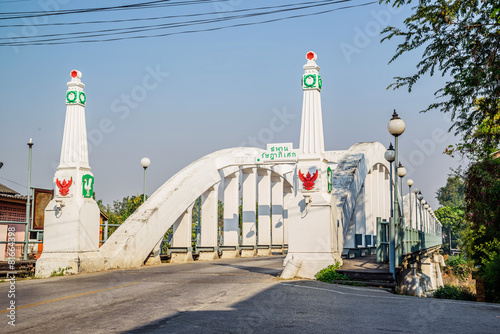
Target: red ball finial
{"type": "Point", "coordinates": [74, 73]}
{"type": "Point", "coordinates": [311, 55]}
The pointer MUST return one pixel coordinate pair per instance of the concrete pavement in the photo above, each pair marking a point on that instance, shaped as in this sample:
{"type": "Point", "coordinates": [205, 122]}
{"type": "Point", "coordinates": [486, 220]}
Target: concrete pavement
{"type": "Point", "coordinates": [228, 296]}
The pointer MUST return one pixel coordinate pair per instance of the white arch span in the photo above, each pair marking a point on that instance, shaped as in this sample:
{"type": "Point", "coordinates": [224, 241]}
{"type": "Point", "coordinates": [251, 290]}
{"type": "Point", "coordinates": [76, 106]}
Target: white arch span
{"type": "Point", "coordinates": [170, 205]}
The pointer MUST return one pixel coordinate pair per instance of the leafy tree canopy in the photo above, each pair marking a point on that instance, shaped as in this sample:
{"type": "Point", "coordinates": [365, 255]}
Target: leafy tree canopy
{"type": "Point", "coordinates": [452, 219]}
{"type": "Point", "coordinates": [482, 198]}
{"type": "Point", "coordinates": [460, 39]}
{"type": "Point", "coordinates": [452, 194]}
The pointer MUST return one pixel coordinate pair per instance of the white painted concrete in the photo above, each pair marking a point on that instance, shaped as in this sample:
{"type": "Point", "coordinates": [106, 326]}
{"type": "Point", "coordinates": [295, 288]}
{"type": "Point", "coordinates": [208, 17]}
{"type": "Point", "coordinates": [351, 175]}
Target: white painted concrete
{"type": "Point", "coordinates": [277, 211]}
{"type": "Point", "coordinates": [71, 227]}
{"type": "Point", "coordinates": [249, 228]}
{"type": "Point", "coordinates": [264, 199]}
{"type": "Point", "coordinates": [209, 217]}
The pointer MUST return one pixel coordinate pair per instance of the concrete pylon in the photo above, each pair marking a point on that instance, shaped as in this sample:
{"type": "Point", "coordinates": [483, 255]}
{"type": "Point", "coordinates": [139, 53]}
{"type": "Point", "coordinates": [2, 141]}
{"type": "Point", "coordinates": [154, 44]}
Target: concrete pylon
{"type": "Point", "coordinates": [312, 210]}
{"type": "Point", "coordinates": [71, 227]}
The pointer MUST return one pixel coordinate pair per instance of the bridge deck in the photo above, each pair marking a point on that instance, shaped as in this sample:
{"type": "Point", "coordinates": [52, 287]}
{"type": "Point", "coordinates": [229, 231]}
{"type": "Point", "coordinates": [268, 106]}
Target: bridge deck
{"type": "Point", "coordinates": [368, 263]}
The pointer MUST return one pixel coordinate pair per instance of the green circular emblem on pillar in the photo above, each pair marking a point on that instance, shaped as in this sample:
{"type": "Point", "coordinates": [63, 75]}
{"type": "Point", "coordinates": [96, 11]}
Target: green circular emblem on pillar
{"type": "Point", "coordinates": [82, 97]}
{"type": "Point", "coordinates": [309, 80]}
{"type": "Point", "coordinates": [320, 82]}
{"type": "Point", "coordinates": [71, 96]}
{"type": "Point", "coordinates": [329, 180]}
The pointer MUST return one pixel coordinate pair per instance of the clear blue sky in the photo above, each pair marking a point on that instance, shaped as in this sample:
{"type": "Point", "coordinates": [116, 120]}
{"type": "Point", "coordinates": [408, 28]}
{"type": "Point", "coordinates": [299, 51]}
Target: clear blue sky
{"type": "Point", "coordinates": [222, 88]}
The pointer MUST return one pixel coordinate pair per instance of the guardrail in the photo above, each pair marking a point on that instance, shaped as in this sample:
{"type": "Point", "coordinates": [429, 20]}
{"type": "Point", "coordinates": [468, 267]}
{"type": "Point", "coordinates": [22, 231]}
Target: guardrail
{"type": "Point", "coordinates": [398, 240]}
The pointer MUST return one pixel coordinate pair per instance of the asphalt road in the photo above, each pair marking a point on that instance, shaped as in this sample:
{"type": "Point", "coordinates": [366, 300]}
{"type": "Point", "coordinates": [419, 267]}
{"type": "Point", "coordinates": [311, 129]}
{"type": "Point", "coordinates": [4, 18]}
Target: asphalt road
{"type": "Point", "coordinates": [228, 296]}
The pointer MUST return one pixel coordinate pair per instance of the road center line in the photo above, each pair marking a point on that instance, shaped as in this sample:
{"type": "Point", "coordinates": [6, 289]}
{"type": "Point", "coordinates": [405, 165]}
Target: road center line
{"type": "Point", "coordinates": [73, 296]}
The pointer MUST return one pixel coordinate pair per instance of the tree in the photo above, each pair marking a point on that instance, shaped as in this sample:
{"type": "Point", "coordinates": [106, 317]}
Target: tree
{"type": "Point", "coordinates": [120, 210]}
{"type": "Point", "coordinates": [452, 219]}
{"type": "Point", "coordinates": [484, 140]}
{"type": "Point", "coordinates": [460, 39]}
{"type": "Point", "coordinates": [482, 198]}
{"type": "Point", "coordinates": [452, 194]}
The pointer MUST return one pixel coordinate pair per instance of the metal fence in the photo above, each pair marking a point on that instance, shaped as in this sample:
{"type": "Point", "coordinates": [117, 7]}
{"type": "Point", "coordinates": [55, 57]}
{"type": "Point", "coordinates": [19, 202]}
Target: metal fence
{"type": "Point", "coordinates": [397, 240]}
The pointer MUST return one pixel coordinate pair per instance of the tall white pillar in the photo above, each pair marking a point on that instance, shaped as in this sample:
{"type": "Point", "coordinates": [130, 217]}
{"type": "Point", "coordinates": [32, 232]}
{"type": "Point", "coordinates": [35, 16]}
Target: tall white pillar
{"type": "Point", "coordinates": [71, 228]}
{"type": "Point", "coordinates": [181, 238]}
{"type": "Point", "coordinates": [312, 222]}
{"type": "Point", "coordinates": [311, 131]}
{"type": "Point", "coordinates": [249, 227]}
{"type": "Point", "coordinates": [231, 231]}
{"type": "Point", "coordinates": [277, 212]}
{"type": "Point", "coordinates": [264, 202]}
{"type": "Point", "coordinates": [209, 224]}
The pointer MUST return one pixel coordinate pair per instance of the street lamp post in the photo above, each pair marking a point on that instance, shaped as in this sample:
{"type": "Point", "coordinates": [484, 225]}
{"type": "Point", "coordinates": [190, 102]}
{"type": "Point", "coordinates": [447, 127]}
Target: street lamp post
{"type": "Point", "coordinates": [426, 207]}
{"type": "Point", "coordinates": [420, 197]}
{"type": "Point", "coordinates": [28, 202]}
{"type": "Point", "coordinates": [416, 191]}
{"type": "Point", "coordinates": [390, 155]}
{"type": "Point", "coordinates": [423, 203]}
{"type": "Point", "coordinates": [396, 127]}
{"type": "Point", "coordinates": [401, 174]}
{"type": "Point", "coordinates": [409, 182]}
{"type": "Point", "coordinates": [145, 162]}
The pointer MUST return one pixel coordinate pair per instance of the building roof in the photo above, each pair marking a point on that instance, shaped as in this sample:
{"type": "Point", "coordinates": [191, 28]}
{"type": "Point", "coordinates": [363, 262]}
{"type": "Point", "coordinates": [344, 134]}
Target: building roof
{"type": "Point", "coordinates": [4, 190]}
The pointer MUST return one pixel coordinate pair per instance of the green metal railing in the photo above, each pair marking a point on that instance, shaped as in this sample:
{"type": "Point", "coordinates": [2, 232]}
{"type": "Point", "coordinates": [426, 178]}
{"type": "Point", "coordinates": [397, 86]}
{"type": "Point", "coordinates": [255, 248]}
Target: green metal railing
{"type": "Point", "coordinates": [399, 240]}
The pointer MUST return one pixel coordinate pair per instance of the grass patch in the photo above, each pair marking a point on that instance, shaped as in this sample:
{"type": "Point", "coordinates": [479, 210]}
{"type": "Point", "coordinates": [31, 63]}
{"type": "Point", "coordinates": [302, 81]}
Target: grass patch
{"type": "Point", "coordinates": [60, 272]}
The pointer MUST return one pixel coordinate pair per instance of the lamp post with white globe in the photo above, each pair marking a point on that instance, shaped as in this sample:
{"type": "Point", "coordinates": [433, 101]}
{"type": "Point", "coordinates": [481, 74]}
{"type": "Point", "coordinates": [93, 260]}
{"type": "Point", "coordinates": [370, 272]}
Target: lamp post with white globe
{"type": "Point", "coordinates": [145, 162]}
{"type": "Point", "coordinates": [390, 155]}
{"type": "Point", "coordinates": [401, 174]}
{"type": "Point", "coordinates": [416, 191]}
{"type": "Point", "coordinates": [420, 197]}
{"type": "Point", "coordinates": [409, 182]}
{"type": "Point", "coordinates": [426, 207]}
{"type": "Point", "coordinates": [396, 127]}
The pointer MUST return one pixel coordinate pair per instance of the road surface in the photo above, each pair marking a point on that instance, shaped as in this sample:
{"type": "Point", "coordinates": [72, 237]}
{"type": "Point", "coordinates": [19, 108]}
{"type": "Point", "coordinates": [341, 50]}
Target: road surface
{"type": "Point", "coordinates": [228, 296]}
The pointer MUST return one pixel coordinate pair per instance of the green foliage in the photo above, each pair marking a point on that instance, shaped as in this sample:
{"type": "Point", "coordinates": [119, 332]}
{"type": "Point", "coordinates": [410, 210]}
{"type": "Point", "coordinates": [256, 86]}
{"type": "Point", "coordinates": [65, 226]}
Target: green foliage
{"type": "Point", "coordinates": [120, 210]}
{"type": "Point", "coordinates": [459, 267]}
{"type": "Point", "coordinates": [330, 274]}
{"type": "Point", "coordinates": [454, 292]}
{"type": "Point", "coordinates": [482, 197]}
{"type": "Point", "coordinates": [492, 280]}
{"type": "Point", "coordinates": [483, 141]}
{"type": "Point", "coordinates": [452, 194]}
{"type": "Point", "coordinates": [459, 39]}
{"type": "Point", "coordinates": [220, 214]}
{"type": "Point", "coordinates": [196, 221]}
{"type": "Point", "coordinates": [452, 219]}
{"type": "Point", "coordinates": [60, 272]}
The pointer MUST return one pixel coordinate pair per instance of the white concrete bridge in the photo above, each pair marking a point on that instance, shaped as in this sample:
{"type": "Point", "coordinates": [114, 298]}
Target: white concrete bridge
{"type": "Point", "coordinates": [317, 204]}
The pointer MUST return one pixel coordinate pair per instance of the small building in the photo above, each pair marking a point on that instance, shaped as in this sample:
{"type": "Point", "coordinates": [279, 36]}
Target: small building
{"type": "Point", "coordinates": [12, 209]}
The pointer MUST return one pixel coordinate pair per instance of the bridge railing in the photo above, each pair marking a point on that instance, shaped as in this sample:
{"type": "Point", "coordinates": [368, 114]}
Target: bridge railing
{"type": "Point", "coordinates": [397, 240]}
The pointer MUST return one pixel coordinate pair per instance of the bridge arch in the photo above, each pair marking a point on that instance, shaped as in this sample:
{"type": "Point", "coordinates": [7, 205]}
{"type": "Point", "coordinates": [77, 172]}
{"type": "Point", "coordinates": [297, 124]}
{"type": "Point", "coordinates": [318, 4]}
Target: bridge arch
{"type": "Point", "coordinates": [229, 174]}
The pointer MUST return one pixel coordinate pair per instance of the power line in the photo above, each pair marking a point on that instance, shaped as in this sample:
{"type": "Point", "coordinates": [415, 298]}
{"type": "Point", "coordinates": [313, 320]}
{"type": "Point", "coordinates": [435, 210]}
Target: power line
{"type": "Point", "coordinates": [130, 30]}
{"type": "Point", "coordinates": [96, 35]}
{"type": "Point", "coordinates": [141, 5]}
{"type": "Point", "coordinates": [157, 18]}
{"type": "Point", "coordinates": [3, 178]}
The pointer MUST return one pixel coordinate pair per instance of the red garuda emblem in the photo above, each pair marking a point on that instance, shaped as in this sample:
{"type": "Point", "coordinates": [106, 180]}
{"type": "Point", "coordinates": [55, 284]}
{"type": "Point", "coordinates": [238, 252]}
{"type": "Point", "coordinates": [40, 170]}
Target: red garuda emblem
{"type": "Point", "coordinates": [64, 186]}
{"type": "Point", "coordinates": [308, 180]}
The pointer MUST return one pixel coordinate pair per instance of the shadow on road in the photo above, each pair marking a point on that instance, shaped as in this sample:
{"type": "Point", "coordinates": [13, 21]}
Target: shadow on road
{"type": "Point", "coordinates": [314, 307]}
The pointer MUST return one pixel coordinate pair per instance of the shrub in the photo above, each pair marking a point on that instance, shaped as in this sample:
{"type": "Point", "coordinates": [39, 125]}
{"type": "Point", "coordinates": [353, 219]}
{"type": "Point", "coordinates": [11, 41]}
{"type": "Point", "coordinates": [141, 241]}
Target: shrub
{"type": "Point", "coordinates": [492, 280]}
{"type": "Point", "coordinates": [330, 274]}
{"type": "Point", "coordinates": [459, 267]}
{"type": "Point", "coordinates": [454, 292]}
